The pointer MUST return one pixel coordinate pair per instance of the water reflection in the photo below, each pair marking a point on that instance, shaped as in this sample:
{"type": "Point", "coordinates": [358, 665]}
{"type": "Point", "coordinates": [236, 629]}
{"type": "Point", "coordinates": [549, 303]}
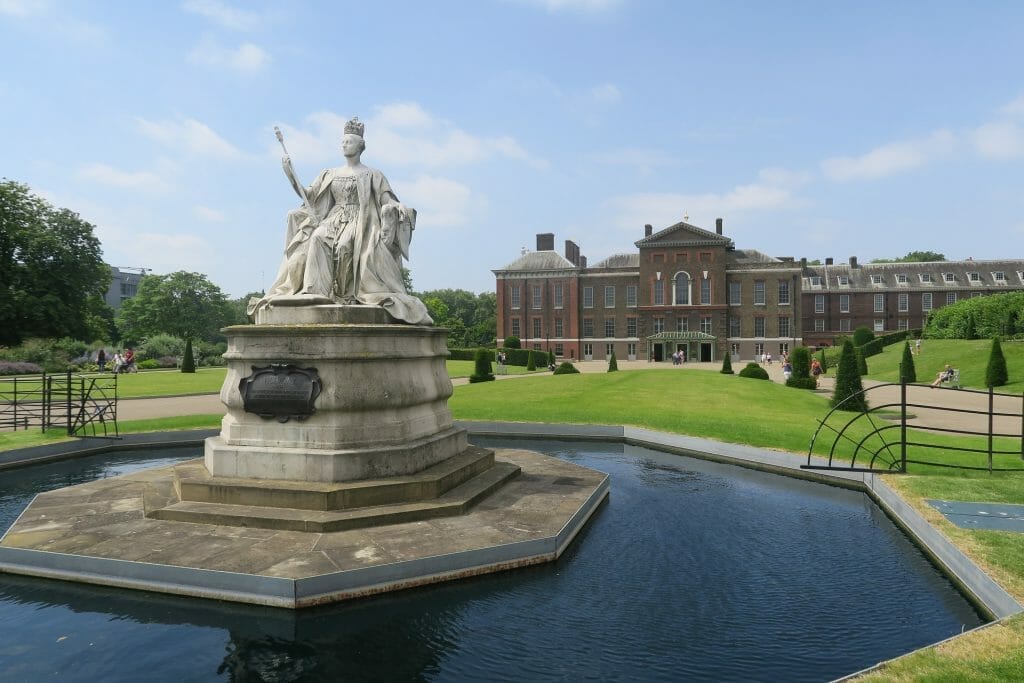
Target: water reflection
{"type": "Point", "coordinates": [693, 570]}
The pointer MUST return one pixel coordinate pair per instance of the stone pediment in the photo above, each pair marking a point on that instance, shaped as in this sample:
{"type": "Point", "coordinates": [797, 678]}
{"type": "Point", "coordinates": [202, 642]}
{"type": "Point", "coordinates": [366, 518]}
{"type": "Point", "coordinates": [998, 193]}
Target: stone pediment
{"type": "Point", "coordinates": [684, 235]}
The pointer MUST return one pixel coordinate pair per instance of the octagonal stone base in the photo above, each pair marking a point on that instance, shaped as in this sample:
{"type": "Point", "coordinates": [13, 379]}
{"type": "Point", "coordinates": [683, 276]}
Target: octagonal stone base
{"type": "Point", "coordinates": [100, 533]}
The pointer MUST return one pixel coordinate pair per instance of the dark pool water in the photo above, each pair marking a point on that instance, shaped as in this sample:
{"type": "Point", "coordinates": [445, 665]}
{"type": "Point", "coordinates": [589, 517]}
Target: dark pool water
{"type": "Point", "coordinates": [691, 571]}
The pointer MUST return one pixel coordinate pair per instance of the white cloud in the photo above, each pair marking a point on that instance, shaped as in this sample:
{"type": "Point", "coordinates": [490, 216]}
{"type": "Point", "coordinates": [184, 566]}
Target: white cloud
{"type": "Point", "coordinates": [226, 16]}
{"type": "Point", "coordinates": [246, 58]}
{"type": "Point", "coordinates": [890, 159]}
{"type": "Point", "coordinates": [401, 134]}
{"type": "Point", "coordinates": [1015, 108]}
{"type": "Point", "coordinates": [774, 189]}
{"type": "Point", "coordinates": [145, 181]}
{"type": "Point", "coordinates": [439, 202]}
{"type": "Point", "coordinates": [606, 93]}
{"type": "Point", "coordinates": [23, 8]}
{"type": "Point", "coordinates": [190, 135]}
{"type": "Point", "coordinates": [1004, 140]}
{"type": "Point", "coordinates": [209, 215]}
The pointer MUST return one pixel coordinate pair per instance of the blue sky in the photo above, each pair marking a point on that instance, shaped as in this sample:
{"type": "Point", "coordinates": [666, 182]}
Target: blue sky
{"type": "Point", "coordinates": [813, 129]}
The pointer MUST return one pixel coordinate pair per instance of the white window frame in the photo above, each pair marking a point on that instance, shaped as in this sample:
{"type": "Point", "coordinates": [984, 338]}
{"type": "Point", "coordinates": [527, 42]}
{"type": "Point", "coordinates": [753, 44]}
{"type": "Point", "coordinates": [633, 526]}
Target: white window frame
{"type": "Point", "coordinates": [903, 302]}
{"type": "Point", "coordinates": [588, 297]}
{"type": "Point", "coordinates": [515, 297]}
{"type": "Point", "coordinates": [879, 303]}
{"type": "Point", "coordinates": [819, 303]}
{"type": "Point", "coordinates": [784, 298]}
{"type": "Point", "coordinates": [631, 291]}
{"type": "Point", "coordinates": [926, 301]}
{"type": "Point", "coordinates": [559, 295]}
{"type": "Point", "coordinates": [759, 293]}
{"type": "Point", "coordinates": [844, 303]}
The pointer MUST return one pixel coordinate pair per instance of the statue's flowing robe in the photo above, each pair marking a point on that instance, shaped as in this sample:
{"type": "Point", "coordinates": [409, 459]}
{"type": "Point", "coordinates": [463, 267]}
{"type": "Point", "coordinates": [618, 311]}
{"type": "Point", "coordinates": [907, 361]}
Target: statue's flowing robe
{"type": "Point", "coordinates": [365, 268]}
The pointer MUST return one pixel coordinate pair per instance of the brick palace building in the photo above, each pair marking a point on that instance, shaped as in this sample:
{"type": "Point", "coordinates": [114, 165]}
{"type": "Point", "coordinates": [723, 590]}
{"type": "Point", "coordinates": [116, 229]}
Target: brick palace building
{"type": "Point", "coordinates": [690, 289]}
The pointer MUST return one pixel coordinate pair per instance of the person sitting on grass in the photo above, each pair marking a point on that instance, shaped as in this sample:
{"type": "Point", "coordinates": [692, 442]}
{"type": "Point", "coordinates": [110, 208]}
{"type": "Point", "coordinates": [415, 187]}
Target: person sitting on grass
{"type": "Point", "coordinates": [944, 375]}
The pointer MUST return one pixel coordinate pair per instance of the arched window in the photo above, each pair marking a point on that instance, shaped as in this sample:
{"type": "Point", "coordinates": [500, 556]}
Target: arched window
{"type": "Point", "coordinates": [681, 289]}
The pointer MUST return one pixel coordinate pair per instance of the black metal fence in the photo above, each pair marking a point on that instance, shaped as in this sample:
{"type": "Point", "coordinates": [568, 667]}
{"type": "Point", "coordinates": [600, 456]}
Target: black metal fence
{"type": "Point", "coordinates": [978, 430]}
{"type": "Point", "coordinates": [81, 405]}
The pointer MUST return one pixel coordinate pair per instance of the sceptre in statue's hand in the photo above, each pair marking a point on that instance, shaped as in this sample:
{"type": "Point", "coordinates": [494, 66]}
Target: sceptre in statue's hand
{"type": "Point", "coordinates": [289, 171]}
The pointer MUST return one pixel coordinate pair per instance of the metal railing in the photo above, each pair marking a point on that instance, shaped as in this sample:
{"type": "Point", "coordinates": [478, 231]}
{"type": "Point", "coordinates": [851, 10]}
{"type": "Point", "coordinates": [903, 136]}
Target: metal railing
{"type": "Point", "coordinates": [81, 405]}
{"type": "Point", "coordinates": [894, 433]}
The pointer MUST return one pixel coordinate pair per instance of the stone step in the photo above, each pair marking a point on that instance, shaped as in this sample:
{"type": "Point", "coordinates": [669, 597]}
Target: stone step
{"type": "Point", "coordinates": [456, 501]}
{"type": "Point", "coordinates": [196, 485]}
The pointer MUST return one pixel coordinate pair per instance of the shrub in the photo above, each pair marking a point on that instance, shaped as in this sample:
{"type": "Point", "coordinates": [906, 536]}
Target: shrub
{"type": "Point", "coordinates": [16, 367]}
{"type": "Point", "coordinates": [167, 361]}
{"type": "Point", "coordinates": [160, 345]}
{"type": "Point", "coordinates": [727, 366]}
{"type": "Point", "coordinates": [188, 361]}
{"type": "Point", "coordinates": [566, 368]}
{"type": "Point", "coordinates": [482, 371]}
{"type": "Point", "coordinates": [995, 372]}
{"type": "Point", "coordinates": [613, 366]}
{"type": "Point", "coordinates": [849, 392]}
{"type": "Point", "coordinates": [872, 348]}
{"type": "Point", "coordinates": [908, 373]}
{"type": "Point", "coordinates": [862, 363]}
{"type": "Point", "coordinates": [800, 378]}
{"type": "Point", "coordinates": [862, 335]}
{"type": "Point", "coordinates": [512, 343]}
{"type": "Point", "coordinates": [148, 364]}
{"type": "Point", "coordinates": [531, 361]}
{"type": "Point", "coordinates": [755, 371]}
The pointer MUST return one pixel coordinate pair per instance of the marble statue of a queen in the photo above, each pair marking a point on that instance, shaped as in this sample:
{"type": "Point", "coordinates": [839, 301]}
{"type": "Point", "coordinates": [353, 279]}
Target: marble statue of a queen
{"type": "Point", "coordinates": [346, 242]}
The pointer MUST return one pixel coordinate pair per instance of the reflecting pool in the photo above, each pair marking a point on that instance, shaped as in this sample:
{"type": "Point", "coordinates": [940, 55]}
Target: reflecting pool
{"type": "Point", "coordinates": [691, 571]}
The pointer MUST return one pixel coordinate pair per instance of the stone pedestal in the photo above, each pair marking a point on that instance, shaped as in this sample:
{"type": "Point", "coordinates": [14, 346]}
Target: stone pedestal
{"type": "Point", "coordinates": [382, 405]}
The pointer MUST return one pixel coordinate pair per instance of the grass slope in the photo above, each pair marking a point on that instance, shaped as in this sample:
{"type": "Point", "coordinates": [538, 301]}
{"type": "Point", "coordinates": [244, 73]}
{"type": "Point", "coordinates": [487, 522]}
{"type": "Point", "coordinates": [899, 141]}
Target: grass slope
{"type": "Point", "coordinates": [970, 356]}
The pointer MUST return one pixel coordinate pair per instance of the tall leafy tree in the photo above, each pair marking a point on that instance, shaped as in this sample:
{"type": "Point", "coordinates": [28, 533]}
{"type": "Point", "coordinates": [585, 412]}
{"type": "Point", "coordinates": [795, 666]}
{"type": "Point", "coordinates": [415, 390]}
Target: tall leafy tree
{"type": "Point", "coordinates": [52, 275]}
{"type": "Point", "coordinates": [471, 319]}
{"type": "Point", "coordinates": [186, 305]}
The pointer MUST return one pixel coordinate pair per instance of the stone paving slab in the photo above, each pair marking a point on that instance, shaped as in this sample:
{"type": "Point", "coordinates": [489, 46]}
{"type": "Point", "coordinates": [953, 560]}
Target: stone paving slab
{"type": "Point", "coordinates": [992, 516]}
{"type": "Point", "coordinates": [98, 533]}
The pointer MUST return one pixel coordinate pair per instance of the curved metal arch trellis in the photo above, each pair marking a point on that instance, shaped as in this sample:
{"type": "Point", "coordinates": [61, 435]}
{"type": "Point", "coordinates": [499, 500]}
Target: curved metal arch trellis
{"type": "Point", "coordinates": [890, 444]}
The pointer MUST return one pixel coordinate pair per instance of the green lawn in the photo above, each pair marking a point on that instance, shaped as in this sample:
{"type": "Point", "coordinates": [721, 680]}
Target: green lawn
{"type": "Point", "coordinates": [971, 357]}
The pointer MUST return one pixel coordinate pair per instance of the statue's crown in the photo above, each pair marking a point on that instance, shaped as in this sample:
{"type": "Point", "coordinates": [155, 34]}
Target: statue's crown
{"type": "Point", "coordinates": [354, 126]}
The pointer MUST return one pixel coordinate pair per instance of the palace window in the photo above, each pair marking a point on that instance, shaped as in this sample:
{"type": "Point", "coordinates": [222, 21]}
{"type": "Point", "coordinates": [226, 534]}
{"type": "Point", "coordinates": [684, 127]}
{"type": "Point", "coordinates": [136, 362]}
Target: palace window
{"type": "Point", "coordinates": [588, 297]}
{"type": "Point", "coordinates": [705, 324]}
{"type": "Point", "coordinates": [659, 325]}
{"type": "Point", "coordinates": [783, 292]}
{"type": "Point", "coordinates": [844, 303]}
{"type": "Point", "coordinates": [559, 298]}
{"type": "Point", "coordinates": [682, 289]}
{"type": "Point", "coordinates": [588, 327]}
{"type": "Point", "coordinates": [515, 327]}
{"type": "Point", "coordinates": [759, 326]}
{"type": "Point", "coordinates": [536, 328]}
{"type": "Point", "coordinates": [705, 291]}
{"type": "Point", "coordinates": [735, 293]}
{"type": "Point", "coordinates": [784, 326]}
{"type": "Point", "coordinates": [682, 324]}
{"type": "Point", "coordinates": [734, 326]}
{"type": "Point", "coordinates": [879, 303]}
{"type": "Point", "coordinates": [819, 324]}
{"type": "Point", "coordinates": [536, 297]}
{"type": "Point", "coordinates": [659, 292]}
{"type": "Point", "coordinates": [630, 327]}
{"type": "Point", "coordinates": [559, 332]}
{"type": "Point", "coordinates": [515, 296]}
{"type": "Point", "coordinates": [903, 302]}
{"type": "Point", "coordinates": [926, 301]}
{"type": "Point", "coordinates": [844, 324]}
{"type": "Point", "coordinates": [609, 328]}
{"type": "Point", "coordinates": [819, 303]}
{"type": "Point", "coordinates": [950, 298]}
{"type": "Point", "coordinates": [631, 296]}
{"type": "Point", "coordinates": [759, 292]}
{"type": "Point", "coordinates": [609, 297]}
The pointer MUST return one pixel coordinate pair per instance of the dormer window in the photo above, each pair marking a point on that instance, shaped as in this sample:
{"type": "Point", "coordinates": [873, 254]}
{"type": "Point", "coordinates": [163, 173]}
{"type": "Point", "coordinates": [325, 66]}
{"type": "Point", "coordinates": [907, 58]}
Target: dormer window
{"type": "Point", "coordinates": [1000, 277]}
{"type": "Point", "coordinates": [876, 279]}
{"type": "Point", "coordinates": [901, 279]}
{"type": "Point", "coordinates": [974, 277]}
{"type": "Point", "coordinates": [815, 281]}
{"type": "Point", "coordinates": [949, 277]}
{"type": "Point", "coordinates": [926, 277]}
{"type": "Point", "coordinates": [844, 281]}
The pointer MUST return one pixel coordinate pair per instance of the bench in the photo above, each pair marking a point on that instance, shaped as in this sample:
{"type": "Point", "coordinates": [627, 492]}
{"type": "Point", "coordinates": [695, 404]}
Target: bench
{"type": "Point", "coordinates": [953, 380]}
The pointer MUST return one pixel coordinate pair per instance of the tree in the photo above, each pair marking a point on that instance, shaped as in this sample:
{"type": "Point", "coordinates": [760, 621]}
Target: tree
{"type": "Point", "coordinates": [188, 362]}
{"type": "Point", "coordinates": [908, 373]}
{"type": "Point", "coordinates": [186, 305]}
{"type": "Point", "coordinates": [531, 361]}
{"type": "Point", "coordinates": [995, 372]}
{"type": "Point", "coordinates": [800, 377]}
{"type": "Point", "coordinates": [52, 275]}
{"type": "Point", "coordinates": [862, 335]}
{"type": "Point", "coordinates": [512, 343]}
{"type": "Point", "coordinates": [482, 367]}
{"type": "Point", "coordinates": [470, 318]}
{"type": "Point", "coordinates": [613, 365]}
{"type": "Point", "coordinates": [727, 366]}
{"type": "Point", "coordinates": [849, 391]}
{"type": "Point", "coordinates": [914, 257]}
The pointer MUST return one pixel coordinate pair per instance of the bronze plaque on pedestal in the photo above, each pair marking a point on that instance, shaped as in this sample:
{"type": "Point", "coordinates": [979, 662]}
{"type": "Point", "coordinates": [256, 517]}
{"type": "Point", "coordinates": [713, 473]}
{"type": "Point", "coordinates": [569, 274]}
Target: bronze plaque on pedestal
{"type": "Point", "coordinates": [280, 391]}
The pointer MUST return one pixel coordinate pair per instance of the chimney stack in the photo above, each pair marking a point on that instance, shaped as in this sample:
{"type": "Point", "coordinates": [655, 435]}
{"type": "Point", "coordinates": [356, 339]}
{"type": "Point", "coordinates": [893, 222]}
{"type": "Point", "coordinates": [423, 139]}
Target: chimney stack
{"type": "Point", "coordinates": [572, 253]}
{"type": "Point", "coordinates": [546, 241]}
{"type": "Point", "coordinates": [853, 261]}
{"type": "Point", "coordinates": [648, 230]}
{"type": "Point", "coordinates": [803, 263]}
{"type": "Point", "coordinates": [828, 261]}
{"type": "Point", "coordinates": [718, 225]}
{"type": "Point", "coordinates": [583, 261]}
